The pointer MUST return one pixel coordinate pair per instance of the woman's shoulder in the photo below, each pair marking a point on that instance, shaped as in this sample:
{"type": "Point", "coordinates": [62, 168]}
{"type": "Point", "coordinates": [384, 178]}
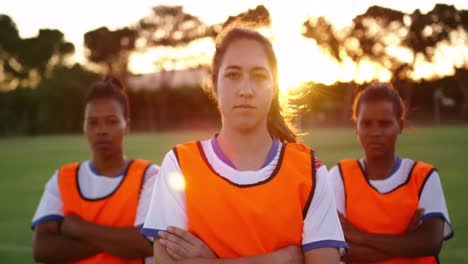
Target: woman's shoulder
{"type": "Point", "coordinates": [71, 167]}
{"type": "Point", "coordinates": [409, 165]}
{"type": "Point", "coordinates": [306, 150]}
{"type": "Point", "coordinates": [190, 143]}
{"type": "Point", "coordinates": [73, 164]}
{"type": "Point", "coordinates": [298, 147]}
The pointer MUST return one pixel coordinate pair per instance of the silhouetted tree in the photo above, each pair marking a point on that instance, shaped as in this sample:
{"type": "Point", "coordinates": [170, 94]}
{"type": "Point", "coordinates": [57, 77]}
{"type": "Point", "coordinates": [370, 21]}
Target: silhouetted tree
{"type": "Point", "coordinates": [373, 33]}
{"type": "Point", "coordinates": [336, 44]}
{"type": "Point", "coordinates": [170, 27]}
{"type": "Point", "coordinates": [61, 99]}
{"type": "Point", "coordinates": [9, 39]}
{"type": "Point", "coordinates": [25, 62]}
{"type": "Point", "coordinates": [111, 48]}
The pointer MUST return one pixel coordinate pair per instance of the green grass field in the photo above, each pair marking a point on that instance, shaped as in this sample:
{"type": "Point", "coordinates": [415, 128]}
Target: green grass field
{"type": "Point", "coordinates": [26, 164]}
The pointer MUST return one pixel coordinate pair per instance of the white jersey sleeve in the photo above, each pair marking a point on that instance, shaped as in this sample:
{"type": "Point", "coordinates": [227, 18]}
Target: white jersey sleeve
{"type": "Point", "coordinates": [167, 206]}
{"type": "Point", "coordinates": [432, 200]}
{"type": "Point", "coordinates": [145, 194]}
{"type": "Point", "coordinates": [321, 225]}
{"type": "Point", "coordinates": [336, 184]}
{"type": "Point", "coordinates": [51, 205]}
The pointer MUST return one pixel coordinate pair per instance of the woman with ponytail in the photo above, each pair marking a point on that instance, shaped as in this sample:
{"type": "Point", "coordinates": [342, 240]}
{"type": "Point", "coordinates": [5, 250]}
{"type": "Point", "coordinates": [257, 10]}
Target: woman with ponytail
{"type": "Point", "coordinates": [252, 193]}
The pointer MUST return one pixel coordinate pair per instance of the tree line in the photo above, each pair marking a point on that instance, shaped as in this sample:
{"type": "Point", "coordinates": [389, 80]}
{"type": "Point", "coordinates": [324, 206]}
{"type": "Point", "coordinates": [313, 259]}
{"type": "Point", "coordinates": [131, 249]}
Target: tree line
{"type": "Point", "coordinates": [40, 92]}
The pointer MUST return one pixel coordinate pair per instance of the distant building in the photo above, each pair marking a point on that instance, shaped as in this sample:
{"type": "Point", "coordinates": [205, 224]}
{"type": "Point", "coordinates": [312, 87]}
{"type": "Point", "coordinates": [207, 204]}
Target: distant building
{"type": "Point", "coordinates": [172, 79]}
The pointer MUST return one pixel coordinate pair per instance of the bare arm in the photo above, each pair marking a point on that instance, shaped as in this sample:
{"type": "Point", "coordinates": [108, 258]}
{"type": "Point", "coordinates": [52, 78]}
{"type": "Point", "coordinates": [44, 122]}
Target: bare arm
{"type": "Point", "coordinates": [50, 246]}
{"type": "Point", "coordinates": [426, 240]}
{"type": "Point", "coordinates": [360, 253]}
{"type": "Point", "coordinates": [126, 242]}
{"type": "Point", "coordinates": [323, 256]}
{"type": "Point", "coordinates": [291, 254]}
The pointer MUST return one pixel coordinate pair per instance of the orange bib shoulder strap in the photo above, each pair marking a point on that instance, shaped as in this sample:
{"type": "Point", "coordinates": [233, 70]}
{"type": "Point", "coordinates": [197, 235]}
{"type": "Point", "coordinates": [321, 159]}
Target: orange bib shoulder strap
{"type": "Point", "coordinates": [70, 169]}
{"type": "Point", "coordinates": [347, 168]}
{"type": "Point", "coordinates": [420, 174]}
{"type": "Point", "coordinates": [302, 154]}
{"type": "Point", "coordinates": [67, 175]}
{"type": "Point", "coordinates": [138, 167]}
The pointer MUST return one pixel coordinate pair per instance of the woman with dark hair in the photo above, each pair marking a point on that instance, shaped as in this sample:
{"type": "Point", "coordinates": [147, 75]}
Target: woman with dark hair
{"type": "Point", "coordinates": [392, 209]}
{"type": "Point", "coordinates": [252, 193]}
{"type": "Point", "coordinates": [92, 212]}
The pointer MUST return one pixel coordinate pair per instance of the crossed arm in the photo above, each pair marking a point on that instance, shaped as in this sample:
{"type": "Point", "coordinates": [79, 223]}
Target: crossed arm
{"type": "Point", "coordinates": [76, 239]}
{"type": "Point", "coordinates": [420, 239]}
{"type": "Point", "coordinates": [180, 246]}
{"type": "Point", "coordinates": [50, 246]}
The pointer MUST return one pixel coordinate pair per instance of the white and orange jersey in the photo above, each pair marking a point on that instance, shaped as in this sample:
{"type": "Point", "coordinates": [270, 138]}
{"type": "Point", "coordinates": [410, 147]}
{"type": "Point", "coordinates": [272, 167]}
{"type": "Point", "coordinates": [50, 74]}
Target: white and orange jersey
{"type": "Point", "coordinates": [268, 207]}
{"type": "Point", "coordinates": [78, 188]}
{"type": "Point", "coordinates": [387, 206]}
{"type": "Point", "coordinates": [431, 197]}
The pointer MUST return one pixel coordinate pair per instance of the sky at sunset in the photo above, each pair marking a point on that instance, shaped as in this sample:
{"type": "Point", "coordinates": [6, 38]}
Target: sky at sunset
{"type": "Point", "coordinates": [74, 18]}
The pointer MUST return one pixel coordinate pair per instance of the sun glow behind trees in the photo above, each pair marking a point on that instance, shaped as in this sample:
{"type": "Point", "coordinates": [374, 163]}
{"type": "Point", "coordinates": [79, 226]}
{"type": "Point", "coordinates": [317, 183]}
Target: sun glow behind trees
{"type": "Point", "coordinates": [302, 60]}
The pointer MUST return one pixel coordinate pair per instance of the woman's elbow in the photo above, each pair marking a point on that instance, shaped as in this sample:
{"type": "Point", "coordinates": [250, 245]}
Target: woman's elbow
{"type": "Point", "coordinates": [41, 254]}
{"type": "Point", "coordinates": [435, 247]}
{"type": "Point", "coordinates": [429, 248]}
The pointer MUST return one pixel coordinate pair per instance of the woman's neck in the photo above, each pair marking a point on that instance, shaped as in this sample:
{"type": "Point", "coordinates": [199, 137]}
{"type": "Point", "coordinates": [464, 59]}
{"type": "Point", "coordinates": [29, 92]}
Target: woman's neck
{"type": "Point", "coordinates": [110, 166]}
{"type": "Point", "coordinates": [379, 168]}
{"type": "Point", "coordinates": [248, 151]}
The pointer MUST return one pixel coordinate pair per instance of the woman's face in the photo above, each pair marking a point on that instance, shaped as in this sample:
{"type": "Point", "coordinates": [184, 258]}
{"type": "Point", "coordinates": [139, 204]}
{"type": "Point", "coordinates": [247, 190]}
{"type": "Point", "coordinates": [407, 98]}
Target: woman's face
{"type": "Point", "coordinates": [105, 127]}
{"type": "Point", "coordinates": [378, 127]}
{"type": "Point", "coordinates": [245, 86]}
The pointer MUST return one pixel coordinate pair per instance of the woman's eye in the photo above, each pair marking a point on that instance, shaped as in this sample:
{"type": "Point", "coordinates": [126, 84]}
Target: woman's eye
{"type": "Point", "coordinates": [92, 123]}
{"type": "Point", "coordinates": [232, 75]}
{"type": "Point", "coordinates": [113, 121]}
{"type": "Point", "coordinates": [365, 123]}
{"type": "Point", "coordinates": [259, 76]}
{"type": "Point", "coordinates": [385, 123]}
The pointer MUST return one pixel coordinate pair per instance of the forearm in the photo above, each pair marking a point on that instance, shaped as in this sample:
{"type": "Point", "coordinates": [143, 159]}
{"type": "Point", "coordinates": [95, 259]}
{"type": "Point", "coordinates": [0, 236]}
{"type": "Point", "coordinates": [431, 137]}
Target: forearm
{"type": "Point", "coordinates": [322, 255]}
{"type": "Point", "coordinates": [360, 253]}
{"type": "Point", "coordinates": [407, 245]}
{"type": "Point", "coordinates": [282, 256]}
{"type": "Point", "coordinates": [56, 248]}
{"type": "Point", "coordinates": [126, 242]}
{"type": "Point", "coordinates": [257, 259]}
{"type": "Point", "coordinates": [425, 241]}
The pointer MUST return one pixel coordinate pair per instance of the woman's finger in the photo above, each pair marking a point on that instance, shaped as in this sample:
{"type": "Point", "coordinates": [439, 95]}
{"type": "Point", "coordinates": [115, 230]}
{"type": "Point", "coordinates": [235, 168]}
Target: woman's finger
{"type": "Point", "coordinates": [185, 235]}
{"type": "Point", "coordinates": [175, 248]}
{"type": "Point", "coordinates": [416, 220]}
{"type": "Point", "coordinates": [174, 238]}
{"type": "Point", "coordinates": [173, 254]}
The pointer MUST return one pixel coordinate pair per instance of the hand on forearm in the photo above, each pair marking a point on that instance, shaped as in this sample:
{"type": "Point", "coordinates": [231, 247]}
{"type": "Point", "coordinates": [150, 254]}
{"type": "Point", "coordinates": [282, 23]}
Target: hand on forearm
{"type": "Point", "coordinates": [52, 247]}
{"type": "Point", "coordinates": [71, 225]}
{"type": "Point", "coordinates": [415, 222]}
{"type": "Point", "coordinates": [286, 255]}
{"type": "Point", "coordinates": [352, 234]}
{"type": "Point", "coordinates": [181, 244]}
{"type": "Point", "coordinates": [425, 241]}
{"type": "Point", "coordinates": [126, 242]}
